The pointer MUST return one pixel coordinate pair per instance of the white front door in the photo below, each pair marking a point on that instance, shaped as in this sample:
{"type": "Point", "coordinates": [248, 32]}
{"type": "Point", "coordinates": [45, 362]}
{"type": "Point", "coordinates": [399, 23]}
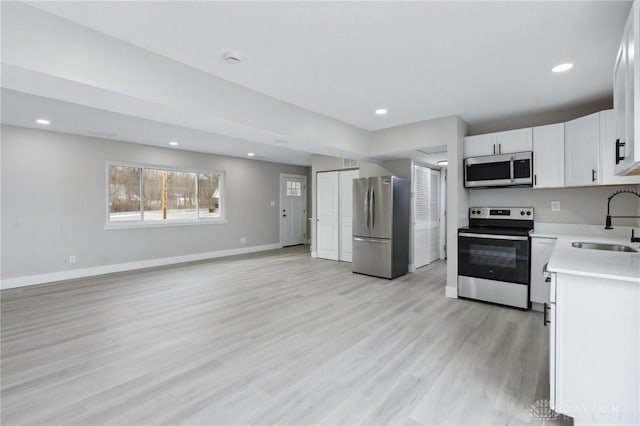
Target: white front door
{"type": "Point", "coordinates": [293, 213]}
{"type": "Point", "coordinates": [327, 190]}
{"type": "Point", "coordinates": [345, 206]}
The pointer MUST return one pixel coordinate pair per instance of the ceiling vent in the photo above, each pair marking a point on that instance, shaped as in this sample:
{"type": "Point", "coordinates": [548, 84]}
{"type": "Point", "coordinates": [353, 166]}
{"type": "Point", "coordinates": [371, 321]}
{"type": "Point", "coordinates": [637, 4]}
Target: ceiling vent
{"type": "Point", "coordinates": [349, 164]}
{"type": "Point", "coordinates": [103, 134]}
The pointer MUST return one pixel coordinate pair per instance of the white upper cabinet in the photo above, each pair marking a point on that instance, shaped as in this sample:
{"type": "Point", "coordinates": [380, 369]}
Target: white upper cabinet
{"type": "Point", "coordinates": [514, 141]}
{"type": "Point", "coordinates": [607, 153]}
{"type": "Point", "coordinates": [626, 98]}
{"type": "Point", "coordinates": [548, 156]}
{"type": "Point", "coordinates": [581, 151]}
{"type": "Point", "coordinates": [479, 145]}
{"type": "Point", "coordinates": [498, 143]}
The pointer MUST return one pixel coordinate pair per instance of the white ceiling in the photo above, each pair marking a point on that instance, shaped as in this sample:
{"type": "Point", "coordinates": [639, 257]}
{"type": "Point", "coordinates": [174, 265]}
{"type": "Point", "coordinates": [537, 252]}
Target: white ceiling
{"type": "Point", "coordinates": [480, 60]}
{"type": "Point", "coordinates": [20, 109]}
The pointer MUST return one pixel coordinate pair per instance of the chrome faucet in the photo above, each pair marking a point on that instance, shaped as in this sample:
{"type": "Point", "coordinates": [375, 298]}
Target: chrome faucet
{"type": "Point", "coordinates": [608, 220]}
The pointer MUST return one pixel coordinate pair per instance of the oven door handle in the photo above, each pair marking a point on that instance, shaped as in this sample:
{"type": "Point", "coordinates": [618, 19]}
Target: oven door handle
{"type": "Point", "coordinates": [494, 237]}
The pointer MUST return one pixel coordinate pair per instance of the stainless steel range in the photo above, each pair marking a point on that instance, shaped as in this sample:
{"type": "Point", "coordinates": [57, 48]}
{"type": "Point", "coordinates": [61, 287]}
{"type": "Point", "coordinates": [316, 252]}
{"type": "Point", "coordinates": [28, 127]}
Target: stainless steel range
{"type": "Point", "coordinates": [494, 255]}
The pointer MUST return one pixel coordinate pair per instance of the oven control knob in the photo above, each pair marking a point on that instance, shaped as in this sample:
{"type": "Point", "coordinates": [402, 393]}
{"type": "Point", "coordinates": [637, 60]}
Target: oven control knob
{"type": "Point", "coordinates": [473, 212]}
{"type": "Point", "coordinates": [522, 213]}
{"type": "Point", "coordinates": [529, 213]}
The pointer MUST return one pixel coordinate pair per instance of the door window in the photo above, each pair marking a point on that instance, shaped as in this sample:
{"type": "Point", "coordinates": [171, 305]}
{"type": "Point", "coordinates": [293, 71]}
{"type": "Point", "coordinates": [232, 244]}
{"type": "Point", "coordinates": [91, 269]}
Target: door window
{"type": "Point", "coordinates": [294, 188]}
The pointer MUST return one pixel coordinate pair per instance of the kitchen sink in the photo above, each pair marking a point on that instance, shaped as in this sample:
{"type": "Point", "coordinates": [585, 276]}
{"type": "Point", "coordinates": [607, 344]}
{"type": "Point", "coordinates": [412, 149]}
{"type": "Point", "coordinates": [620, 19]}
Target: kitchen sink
{"type": "Point", "coordinates": [603, 246]}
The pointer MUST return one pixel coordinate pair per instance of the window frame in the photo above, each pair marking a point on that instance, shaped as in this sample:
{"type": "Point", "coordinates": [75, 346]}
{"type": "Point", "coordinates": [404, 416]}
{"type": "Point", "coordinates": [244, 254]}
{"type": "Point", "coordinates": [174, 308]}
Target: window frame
{"type": "Point", "coordinates": [164, 222]}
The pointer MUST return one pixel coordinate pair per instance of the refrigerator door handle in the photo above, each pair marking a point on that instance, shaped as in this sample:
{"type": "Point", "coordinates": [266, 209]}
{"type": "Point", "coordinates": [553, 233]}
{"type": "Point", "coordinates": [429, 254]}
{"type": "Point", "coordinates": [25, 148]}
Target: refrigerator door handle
{"type": "Point", "coordinates": [372, 208]}
{"type": "Point", "coordinates": [366, 208]}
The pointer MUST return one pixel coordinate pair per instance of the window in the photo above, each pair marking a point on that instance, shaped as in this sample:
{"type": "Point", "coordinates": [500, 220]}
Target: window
{"type": "Point", "coordinates": [294, 189]}
{"type": "Point", "coordinates": [155, 195]}
{"type": "Point", "coordinates": [124, 193]}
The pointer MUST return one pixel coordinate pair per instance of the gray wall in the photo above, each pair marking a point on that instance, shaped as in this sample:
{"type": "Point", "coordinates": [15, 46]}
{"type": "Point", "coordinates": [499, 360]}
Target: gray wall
{"type": "Point", "coordinates": [577, 205]}
{"type": "Point", "coordinates": [53, 204]}
{"type": "Point", "coordinates": [401, 168]}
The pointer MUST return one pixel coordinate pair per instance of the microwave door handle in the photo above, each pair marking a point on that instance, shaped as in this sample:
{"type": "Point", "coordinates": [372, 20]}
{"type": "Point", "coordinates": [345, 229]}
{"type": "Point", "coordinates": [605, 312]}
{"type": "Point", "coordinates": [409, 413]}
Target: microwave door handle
{"type": "Point", "coordinates": [513, 177]}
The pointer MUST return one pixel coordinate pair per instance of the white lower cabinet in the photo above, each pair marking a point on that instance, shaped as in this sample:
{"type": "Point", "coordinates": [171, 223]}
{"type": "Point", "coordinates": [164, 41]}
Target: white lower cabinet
{"type": "Point", "coordinates": [541, 249]}
{"type": "Point", "coordinates": [594, 342]}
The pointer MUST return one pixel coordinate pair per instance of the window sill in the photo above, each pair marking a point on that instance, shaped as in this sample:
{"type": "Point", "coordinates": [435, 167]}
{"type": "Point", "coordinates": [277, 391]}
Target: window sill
{"type": "Point", "coordinates": [134, 225]}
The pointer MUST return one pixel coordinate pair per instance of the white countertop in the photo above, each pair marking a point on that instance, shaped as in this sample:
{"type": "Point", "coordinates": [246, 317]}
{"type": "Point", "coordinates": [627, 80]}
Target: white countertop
{"type": "Point", "coordinates": [555, 230]}
{"type": "Point", "coordinates": [595, 263]}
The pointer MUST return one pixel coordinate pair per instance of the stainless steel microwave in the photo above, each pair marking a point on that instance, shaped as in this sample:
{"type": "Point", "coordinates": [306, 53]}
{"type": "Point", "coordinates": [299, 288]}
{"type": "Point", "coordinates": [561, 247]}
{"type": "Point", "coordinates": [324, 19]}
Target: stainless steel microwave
{"type": "Point", "coordinates": [515, 169]}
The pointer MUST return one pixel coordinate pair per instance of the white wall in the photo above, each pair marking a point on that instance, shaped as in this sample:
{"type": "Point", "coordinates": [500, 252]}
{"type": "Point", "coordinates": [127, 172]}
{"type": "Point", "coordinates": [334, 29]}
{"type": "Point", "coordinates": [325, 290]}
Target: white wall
{"type": "Point", "coordinates": [53, 204]}
{"type": "Point", "coordinates": [541, 118]}
{"type": "Point", "coordinates": [457, 205]}
{"type": "Point", "coordinates": [423, 134]}
{"type": "Point", "coordinates": [577, 205]}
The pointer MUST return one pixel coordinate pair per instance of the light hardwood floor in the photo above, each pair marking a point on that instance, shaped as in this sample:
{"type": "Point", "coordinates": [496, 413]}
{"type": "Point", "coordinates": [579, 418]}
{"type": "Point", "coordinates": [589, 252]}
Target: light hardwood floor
{"type": "Point", "coordinates": [270, 338]}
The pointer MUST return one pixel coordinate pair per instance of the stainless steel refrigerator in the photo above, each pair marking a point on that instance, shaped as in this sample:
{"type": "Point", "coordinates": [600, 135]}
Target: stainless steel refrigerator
{"type": "Point", "coordinates": [381, 226]}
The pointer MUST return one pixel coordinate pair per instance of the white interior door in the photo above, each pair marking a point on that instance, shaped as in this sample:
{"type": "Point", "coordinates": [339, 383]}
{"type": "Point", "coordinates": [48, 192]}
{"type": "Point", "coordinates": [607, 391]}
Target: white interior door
{"type": "Point", "coordinates": [345, 206]}
{"type": "Point", "coordinates": [426, 215]}
{"type": "Point", "coordinates": [327, 190]}
{"type": "Point", "coordinates": [293, 214]}
{"type": "Point", "coordinates": [434, 214]}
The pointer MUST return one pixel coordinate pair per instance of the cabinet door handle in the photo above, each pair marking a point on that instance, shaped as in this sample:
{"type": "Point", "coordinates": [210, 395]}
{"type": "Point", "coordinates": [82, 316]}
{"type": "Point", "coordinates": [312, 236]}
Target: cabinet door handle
{"type": "Point", "coordinates": [535, 180]}
{"type": "Point", "coordinates": [494, 148]}
{"type": "Point", "coordinates": [499, 149]}
{"type": "Point", "coordinates": [593, 175]}
{"type": "Point", "coordinates": [618, 146]}
{"type": "Point", "coordinates": [546, 308]}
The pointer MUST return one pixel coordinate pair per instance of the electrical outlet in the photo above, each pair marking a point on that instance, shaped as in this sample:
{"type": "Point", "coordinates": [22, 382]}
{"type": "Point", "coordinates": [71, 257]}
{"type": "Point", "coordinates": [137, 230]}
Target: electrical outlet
{"type": "Point", "coordinates": [72, 258]}
{"type": "Point", "coordinates": [243, 240]}
{"type": "Point", "coordinates": [555, 206]}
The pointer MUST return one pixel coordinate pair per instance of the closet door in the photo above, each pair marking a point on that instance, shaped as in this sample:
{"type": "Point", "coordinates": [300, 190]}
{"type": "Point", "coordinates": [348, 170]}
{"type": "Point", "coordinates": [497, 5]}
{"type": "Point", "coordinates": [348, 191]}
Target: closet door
{"type": "Point", "coordinates": [426, 215]}
{"type": "Point", "coordinates": [434, 215]}
{"type": "Point", "coordinates": [327, 192]}
{"type": "Point", "coordinates": [345, 208]}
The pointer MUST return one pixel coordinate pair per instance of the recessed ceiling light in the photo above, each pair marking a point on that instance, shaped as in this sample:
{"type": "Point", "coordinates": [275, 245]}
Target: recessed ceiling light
{"type": "Point", "coordinates": [443, 162]}
{"type": "Point", "coordinates": [381, 111]}
{"type": "Point", "coordinates": [43, 121]}
{"type": "Point", "coordinates": [251, 154]}
{"type": "Point", "coordinates": [173, 143]}
{"type": "Point", "coordinates": [562, 67]}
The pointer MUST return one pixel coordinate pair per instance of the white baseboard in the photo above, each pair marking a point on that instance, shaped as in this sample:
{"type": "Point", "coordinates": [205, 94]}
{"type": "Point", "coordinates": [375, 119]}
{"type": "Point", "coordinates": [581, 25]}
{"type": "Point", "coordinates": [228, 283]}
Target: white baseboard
{"type": "Point", "coordinates": [314, 254]}
{"type": "Point", "coordinates": [128, 266]}
{"type": "Point", "coordinates": [412, 268]}
{"type": "Point", "coordinates": [308, 242]}
{"type": "Point", "coordinates": [451, 292]}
